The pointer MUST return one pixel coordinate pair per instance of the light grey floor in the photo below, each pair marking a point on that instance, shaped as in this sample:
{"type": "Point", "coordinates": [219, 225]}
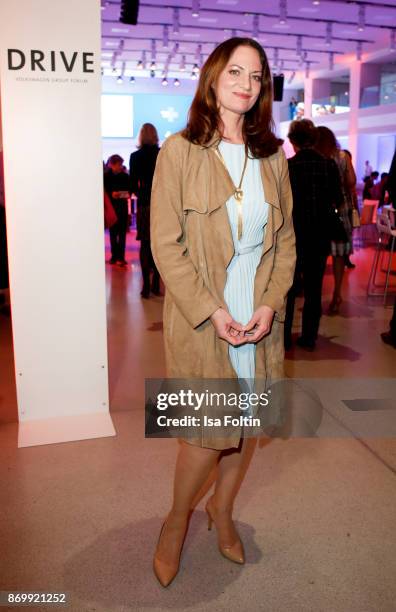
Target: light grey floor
{"type": "Point", "coordinates": [317, 518]}
{"type": "Point", "coordinates": [317, 515]}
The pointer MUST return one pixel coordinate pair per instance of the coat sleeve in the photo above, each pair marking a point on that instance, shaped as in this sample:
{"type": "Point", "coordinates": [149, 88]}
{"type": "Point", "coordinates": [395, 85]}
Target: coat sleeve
{"type": "Point", "coordinates": [285, 247]}
{"type": "Point", "coordinates": [170, 253]}
{"type": "Point", "coordinates": [133, 175]}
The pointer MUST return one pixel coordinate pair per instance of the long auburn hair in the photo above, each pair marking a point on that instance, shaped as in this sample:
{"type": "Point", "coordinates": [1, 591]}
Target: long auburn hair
{"type": "Point", "coordinates": [204, 118]}
{"type": "Point", "coordinates": [326, 143]}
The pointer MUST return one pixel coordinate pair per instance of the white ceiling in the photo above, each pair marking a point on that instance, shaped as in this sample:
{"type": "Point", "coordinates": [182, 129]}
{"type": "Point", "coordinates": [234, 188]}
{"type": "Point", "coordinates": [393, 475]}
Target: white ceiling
{"type": "Point", "coordinates": [222, 19]}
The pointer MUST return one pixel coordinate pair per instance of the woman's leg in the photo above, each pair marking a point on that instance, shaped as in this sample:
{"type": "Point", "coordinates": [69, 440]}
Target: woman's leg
{"type": "Point", "coordinates": [338, 269]}
{"type": "Point", "coordinates": [193, 466]}
{"type": "Point", "coordinates": [232, 469]}
{"type": "Point", "coordinates": [145, 266]}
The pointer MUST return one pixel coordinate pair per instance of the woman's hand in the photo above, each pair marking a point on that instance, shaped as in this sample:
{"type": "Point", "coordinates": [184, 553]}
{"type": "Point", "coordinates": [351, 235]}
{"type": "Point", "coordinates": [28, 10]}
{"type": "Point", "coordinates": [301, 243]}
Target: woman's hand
{"type": "Point", "coordinates": [259, 325]}
{"type": "Point", "coordinates": [226, 328]}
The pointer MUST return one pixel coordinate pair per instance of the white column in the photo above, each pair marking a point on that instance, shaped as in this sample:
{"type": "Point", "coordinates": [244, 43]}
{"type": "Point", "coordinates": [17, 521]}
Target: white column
{"type": "Point", "coordinates": [308, 90]}
{"type": "Point", "coordinates": [354, 102]}
{"type": "Point", "coordinates": [50, 92]}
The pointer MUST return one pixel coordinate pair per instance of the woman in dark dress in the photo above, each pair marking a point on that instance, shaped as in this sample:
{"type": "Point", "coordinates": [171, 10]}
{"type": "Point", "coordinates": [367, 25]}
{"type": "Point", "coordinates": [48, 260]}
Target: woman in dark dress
{"type": "Point", "coordinates": [326, 145]}
{"type": "Point", "coordinates": [141, 169]}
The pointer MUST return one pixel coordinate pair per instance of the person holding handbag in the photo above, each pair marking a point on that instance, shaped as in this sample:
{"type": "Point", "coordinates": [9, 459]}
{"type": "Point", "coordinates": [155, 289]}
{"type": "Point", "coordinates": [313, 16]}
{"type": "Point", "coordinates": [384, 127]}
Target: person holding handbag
{"type": "Point", "coordinates": [341, 245]}
{"type": "Point", "coordinates": [223, 241]}
{"type": "Point", "coordinates": [116, 185]}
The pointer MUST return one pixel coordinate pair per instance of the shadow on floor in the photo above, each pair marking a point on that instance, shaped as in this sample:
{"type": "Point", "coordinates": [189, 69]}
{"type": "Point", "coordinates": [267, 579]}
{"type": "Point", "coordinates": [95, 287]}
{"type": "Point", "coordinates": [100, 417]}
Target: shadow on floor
{"type": "Point", "coordinates": [116, 569]}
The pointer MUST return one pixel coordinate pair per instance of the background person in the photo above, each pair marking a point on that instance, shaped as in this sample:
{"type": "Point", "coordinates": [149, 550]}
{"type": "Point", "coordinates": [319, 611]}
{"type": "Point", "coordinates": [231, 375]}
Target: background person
{"type": "Point", "coordinates": [316, 188]}
{"type": "Point", "coordinates": [116, 184]}
{"type": "Point", "coordinates": [326, 144]}
{"type": "Point", "coordinates": [227, 264]}
{"type": "Point", "coordinates": [141, 170]}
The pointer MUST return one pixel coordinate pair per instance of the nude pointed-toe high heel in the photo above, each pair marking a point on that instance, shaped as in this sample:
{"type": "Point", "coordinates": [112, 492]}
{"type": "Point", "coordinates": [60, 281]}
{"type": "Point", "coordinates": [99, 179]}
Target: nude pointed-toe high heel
{"type": "Point", "coordinates": [234, 552]}
{"type": "Point", "coordinates": [164, 571]}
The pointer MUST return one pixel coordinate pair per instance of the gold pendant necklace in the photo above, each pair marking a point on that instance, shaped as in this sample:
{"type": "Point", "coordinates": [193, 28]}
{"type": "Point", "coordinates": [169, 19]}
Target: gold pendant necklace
{"type": "Point", "coordinates": [238, 192]}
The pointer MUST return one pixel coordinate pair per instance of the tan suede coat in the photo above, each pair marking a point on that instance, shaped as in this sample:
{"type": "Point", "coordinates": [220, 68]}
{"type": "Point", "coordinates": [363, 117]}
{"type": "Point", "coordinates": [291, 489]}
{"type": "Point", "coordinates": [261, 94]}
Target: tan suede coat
{"type": "Point", "coordinates": [192, 246]}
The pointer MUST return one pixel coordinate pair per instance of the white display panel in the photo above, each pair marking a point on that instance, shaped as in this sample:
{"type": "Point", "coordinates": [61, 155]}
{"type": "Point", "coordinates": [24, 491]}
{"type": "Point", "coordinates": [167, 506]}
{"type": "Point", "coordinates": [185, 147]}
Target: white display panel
{"type": "Point", "coordinates": [117, 116]}
{"type": "Point", "coordinates": [54, 199]}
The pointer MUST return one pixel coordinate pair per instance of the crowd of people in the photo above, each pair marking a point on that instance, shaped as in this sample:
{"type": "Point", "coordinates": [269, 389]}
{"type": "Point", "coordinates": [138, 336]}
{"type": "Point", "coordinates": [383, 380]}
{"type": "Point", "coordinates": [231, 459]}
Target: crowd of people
{"type": "Point", "coordinates": [376, 187]}
{"type": "Point", "coordinates": [323, 182]}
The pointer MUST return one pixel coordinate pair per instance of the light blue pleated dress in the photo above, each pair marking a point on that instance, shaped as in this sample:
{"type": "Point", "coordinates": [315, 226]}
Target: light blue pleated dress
{"type": "Point", "coordinates": [241, 271]}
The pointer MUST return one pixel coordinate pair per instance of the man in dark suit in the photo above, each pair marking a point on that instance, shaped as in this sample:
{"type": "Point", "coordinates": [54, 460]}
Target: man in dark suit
{"type": "Point", "coordinates": [316, 188]}
{"type": "Point", "coordinates": [116, 184]}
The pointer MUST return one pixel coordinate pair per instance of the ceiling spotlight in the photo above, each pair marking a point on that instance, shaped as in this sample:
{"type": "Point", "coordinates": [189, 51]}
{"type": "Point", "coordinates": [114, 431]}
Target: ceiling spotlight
{"type": "Point", "coordinates": [165, 37]}
{"type": "Point", "coordinates": [255, 29]}
{"type": "Point", "coordinates": [132, 79]}
{"type": "Point", "coordinates": [198, 52]}
{"type": "Point", "coordinates": [176, 83]}
{"type": "Point", "coordinates": [119, 80]}
{"type": "Point", "coordinates": [142, 62]}
{"type": "Point", "coordinates": [176, 24]}
{"type": "Point", "coordinates": [195, 8]}
{"type": "Point", "coordinates": [299, 45]}
{"type": "Point", "coordinates": [361, 18]}
{"type": "Point", "coordinates": [393, 40]}
{"type": "Point", "coordinates": [114, 71]}
{"type": "Point", "coordinates": [291, 77]}
{"type": "Point", "coordinates": [195, 69]}
{"type": "Point", "coordinates": [152, 73]}
{"type": "Point", "coordinates": [164, 81]}
{"type": "Point", "coordinates": [102, 71]}
{"type": "Point", "coordinates": [276, 57]}
{"type": "Point", "coordinates": [153, 65]}
{"type": "Point", "coordinates": [282, 11]}
{"type": "Point", "coordinates": [194, 76]}
{"type": "Point", "coordinates": [113, 61]}
{"type": "Point", "coordinates": [331, 61]}
{"type": "Point", "coordinates": [329, 33]}
{"type": "Point", "coordinates": [182, 65]}
{"type": "Point", "coordinates": [316, 2]}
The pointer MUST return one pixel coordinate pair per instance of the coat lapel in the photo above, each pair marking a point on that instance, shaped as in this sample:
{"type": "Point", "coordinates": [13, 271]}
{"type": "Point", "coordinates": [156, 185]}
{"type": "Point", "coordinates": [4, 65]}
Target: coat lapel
{"type": "Point", "coordinates": [271, 181]}
{"type": "Point", "coordinates": [220, 189]}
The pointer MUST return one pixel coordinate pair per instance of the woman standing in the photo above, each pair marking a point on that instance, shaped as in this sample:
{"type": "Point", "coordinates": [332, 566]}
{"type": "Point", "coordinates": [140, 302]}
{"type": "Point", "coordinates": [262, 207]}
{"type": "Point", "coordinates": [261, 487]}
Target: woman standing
{"type": "Point", "coordinates": [327, 145]}
{"type": "Point", "coordinates": [223, 240]}
{"type": "Point", "coordinates": [141, 170]}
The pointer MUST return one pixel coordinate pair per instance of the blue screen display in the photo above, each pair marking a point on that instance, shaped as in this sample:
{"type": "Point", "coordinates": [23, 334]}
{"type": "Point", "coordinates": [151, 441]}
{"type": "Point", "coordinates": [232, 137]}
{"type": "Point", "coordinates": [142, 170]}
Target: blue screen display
{"type": "Point", "coordinates": [167, 113]}
{"type": "Point", "coordinates": [123, 115]}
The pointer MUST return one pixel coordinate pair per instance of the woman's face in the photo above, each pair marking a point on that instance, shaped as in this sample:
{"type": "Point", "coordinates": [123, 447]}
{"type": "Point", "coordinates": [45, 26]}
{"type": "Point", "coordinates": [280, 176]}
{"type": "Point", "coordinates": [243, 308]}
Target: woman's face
{"type": "Point", "coordinates": [239, 84]}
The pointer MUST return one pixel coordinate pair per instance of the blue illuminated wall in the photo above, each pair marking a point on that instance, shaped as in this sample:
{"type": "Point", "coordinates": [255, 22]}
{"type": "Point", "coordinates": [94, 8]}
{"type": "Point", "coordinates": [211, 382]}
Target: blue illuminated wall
{"type": "Point", "coordinates": [167, 112]}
